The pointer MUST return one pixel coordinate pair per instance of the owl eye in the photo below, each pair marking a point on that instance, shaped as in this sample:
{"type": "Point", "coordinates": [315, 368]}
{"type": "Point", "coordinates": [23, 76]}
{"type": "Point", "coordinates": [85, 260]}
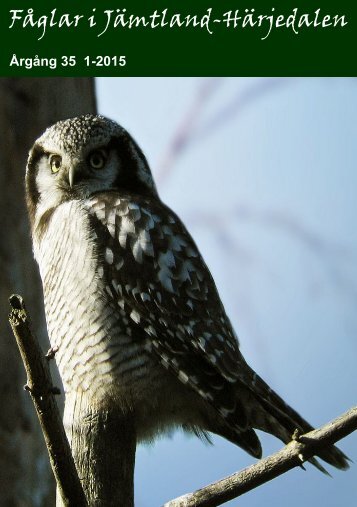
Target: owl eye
{"type": "Point", "coordinates": [97, 159]}
{"type": "Point", "coordinates": [55, 163]}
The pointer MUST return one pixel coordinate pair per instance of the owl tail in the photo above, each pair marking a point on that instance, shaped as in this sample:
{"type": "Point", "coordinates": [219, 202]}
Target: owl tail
{"type": "Point", "coordinates": [269, 413]}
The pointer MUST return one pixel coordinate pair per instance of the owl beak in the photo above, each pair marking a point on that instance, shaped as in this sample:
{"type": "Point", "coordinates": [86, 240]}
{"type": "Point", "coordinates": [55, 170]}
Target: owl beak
{"type": "Point", "coordinates": [71, 175]}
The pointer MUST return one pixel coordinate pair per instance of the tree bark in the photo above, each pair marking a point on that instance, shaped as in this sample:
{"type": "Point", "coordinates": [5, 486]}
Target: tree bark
{"type": "Point", "coordinates": [27, 107]}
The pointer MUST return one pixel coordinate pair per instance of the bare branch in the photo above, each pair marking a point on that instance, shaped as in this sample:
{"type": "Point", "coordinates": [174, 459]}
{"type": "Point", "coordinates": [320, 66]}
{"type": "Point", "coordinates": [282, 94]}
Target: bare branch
{"type": "Point", "coordinates": [292, 455]}
{"type": "Point", "coordinates": [39, 385]}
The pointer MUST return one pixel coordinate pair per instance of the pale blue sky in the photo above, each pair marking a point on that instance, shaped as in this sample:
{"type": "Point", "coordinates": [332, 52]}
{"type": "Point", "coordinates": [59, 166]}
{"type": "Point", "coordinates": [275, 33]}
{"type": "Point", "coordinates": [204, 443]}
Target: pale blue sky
{"type": "Point", "coordinates": [267, 185]}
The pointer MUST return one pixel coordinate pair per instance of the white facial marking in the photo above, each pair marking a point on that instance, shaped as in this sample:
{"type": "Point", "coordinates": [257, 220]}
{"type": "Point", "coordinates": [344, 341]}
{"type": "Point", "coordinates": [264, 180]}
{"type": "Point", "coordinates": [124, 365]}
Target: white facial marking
{"type": "Point", "coordinates": [51, 194]}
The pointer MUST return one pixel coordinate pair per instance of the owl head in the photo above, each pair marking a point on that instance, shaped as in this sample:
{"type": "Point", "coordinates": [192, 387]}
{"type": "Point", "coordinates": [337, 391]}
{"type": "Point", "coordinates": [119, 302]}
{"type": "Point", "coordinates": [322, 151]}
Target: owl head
{"type": "Point", "coordinates": [78, 157]}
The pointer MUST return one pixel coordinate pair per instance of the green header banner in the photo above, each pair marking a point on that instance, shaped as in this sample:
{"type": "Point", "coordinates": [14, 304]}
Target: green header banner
{"type": "Point", "coordinates": [178, 38]}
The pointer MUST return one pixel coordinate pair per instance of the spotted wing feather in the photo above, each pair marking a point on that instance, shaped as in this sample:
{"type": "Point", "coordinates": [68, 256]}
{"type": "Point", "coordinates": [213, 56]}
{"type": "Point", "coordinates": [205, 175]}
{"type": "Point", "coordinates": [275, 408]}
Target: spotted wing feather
{"type": "Point", "coordinates": [157, 272]}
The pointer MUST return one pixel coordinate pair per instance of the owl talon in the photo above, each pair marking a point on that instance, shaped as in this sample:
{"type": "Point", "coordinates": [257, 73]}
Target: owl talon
{"type": "Point", "coordinates": [302, 459]}
{"type": "Point", "coordinates": [296, 436]}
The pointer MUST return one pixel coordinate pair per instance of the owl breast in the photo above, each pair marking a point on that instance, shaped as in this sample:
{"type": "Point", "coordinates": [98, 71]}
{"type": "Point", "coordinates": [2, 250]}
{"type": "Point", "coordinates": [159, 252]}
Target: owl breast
{"type": "Point", "coordinates": [99, 351]}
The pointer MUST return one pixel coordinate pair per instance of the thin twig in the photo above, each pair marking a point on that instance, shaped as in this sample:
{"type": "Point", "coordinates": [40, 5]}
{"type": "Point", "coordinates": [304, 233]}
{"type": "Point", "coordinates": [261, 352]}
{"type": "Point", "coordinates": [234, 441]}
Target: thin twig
{"type": "Point", "coordinates": [292, 455]}
{"type": "Point", "coordinates": [39, 385]}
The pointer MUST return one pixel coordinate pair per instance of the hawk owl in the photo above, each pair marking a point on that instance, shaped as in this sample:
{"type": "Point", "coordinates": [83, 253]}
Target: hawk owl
{"type": "Point", "coordinates": [131, 306]}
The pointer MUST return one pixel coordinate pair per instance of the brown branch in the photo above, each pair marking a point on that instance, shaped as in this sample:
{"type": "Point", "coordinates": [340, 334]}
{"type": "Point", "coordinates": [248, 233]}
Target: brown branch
{"type": "Point", "coordinates": [39, 384]}
{"type": "Point", "coordinates": [292, 455]}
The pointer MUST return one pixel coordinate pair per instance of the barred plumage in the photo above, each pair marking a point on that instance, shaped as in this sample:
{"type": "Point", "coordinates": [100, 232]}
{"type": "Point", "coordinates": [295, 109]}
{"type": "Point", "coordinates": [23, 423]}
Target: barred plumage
{"type": "Point", "coordinates": [130, 303]}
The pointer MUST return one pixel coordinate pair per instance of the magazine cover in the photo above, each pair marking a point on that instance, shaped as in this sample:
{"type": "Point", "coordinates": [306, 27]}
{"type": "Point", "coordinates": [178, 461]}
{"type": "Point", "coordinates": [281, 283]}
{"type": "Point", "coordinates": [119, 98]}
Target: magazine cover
{"type": "Point", "coordinates": [178, 285]}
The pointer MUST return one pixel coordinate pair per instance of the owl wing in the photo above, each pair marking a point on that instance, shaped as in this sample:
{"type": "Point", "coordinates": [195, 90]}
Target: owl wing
{"type": "Point", "coordinates": [155, 273]}
{"type": "Point", "coordinates": [154, 269]}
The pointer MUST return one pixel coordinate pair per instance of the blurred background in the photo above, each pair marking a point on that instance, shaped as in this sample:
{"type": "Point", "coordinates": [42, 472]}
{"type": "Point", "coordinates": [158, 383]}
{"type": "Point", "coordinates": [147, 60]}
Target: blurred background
{"type": "Point", "coordinates": [263, 173]}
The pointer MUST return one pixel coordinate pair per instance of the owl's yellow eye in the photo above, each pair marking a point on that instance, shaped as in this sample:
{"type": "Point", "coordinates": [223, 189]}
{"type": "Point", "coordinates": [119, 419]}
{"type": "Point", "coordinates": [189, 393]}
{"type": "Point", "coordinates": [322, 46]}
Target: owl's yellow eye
{"type": "Point", "coordinates": [55, 163]}
{"type": "Point", "coordinates": [97, 159]}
